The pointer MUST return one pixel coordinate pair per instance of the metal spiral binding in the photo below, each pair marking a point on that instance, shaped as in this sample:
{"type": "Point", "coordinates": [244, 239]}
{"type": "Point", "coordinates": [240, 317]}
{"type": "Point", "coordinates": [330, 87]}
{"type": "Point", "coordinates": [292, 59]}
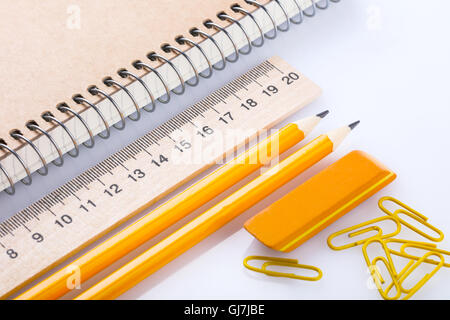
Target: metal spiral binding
{"type": "Point", "coordinates": [16, 134]}
{"type": "Point", "coordinates": [195, 32]}
{"type": "Point", "coordinates": [167, 48]}
{"type": "Point", "coordinates": [238, 8]}
{"type": "Point", "coordinates": [182, 40]}
{"type": "Point", "coordinates": [28, 181]}
{"type": "Point", "coordinates": [49, 117]}
{"type": "Point", "coordinates": [94, 90]}
{"type": "Point", "coordinates": [153, 56]}
{"type": "Point", "coordinates": [33, 126]}
{"type": "Point", "coordinates": [225, 17]}
{"type": "Point", "coordinates": [79, 99]}
{"type": "Point", "coordinates": [260, 6]}
{"type": "Point", "coordinates": [64, 108]}
{"type": "Point", "coordinates": [124, 73]}
{"type": "Point", "coordinates": [286, 17]}
{"type": "Point", "coordinates": [140, 65]}
{"type": "Point", "coordinates": [109, 82]}
{"type": "Point", "coordinates": [11, 190]}
{"type": "Point", "coordinates": [211, 25]}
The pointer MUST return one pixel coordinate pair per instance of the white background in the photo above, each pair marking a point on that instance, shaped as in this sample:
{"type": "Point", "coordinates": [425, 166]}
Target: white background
{"type": "Point", "coordinates": [386, 63]}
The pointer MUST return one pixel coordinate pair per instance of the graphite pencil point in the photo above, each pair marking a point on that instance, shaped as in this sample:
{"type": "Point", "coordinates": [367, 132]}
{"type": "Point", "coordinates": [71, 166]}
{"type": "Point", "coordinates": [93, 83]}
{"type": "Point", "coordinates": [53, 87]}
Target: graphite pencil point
{"type": "Point", "coordinates": [323, 114]}
{"type": "Point", "coordinates": [354, 125]}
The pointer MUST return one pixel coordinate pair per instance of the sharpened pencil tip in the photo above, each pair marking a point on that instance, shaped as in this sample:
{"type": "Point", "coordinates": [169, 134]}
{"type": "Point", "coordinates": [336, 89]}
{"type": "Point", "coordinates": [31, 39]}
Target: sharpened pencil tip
{"type": "Point", "coordinates": [323, 114]}
{"type": "Point", "coordinates": [354, 124]}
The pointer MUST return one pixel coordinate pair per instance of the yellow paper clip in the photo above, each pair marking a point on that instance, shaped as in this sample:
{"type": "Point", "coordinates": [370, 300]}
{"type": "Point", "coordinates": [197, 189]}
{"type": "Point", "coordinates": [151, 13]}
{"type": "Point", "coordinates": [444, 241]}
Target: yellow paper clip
{"type": "Point", "coordinates": [421, 219]}
{"type": "Point", "coordinates": [415, 262]}
{"type": "Point", "coordinates": [405, 274]}
{"type": "Point", "coordinates": [425, 245]}
{"type": "Point", "coordinates": [291, 263]}
{"type": "Point", "coordinates": [399, 253]}
{"type": "Point", "coordinates": [352, 233]}
{"type": "Point", "coordinates": [413, 214]}
{"type": "Point", "coordinates": [398, 203]}
{"type": "Point", "coordinates": [421, 246]}
{"type": "Point", "coordinates": [375, 273]}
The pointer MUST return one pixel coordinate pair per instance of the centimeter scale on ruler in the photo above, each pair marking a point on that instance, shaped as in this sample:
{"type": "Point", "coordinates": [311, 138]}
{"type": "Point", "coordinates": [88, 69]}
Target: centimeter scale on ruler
{"type": "Point", "coordinates": [79, 212]}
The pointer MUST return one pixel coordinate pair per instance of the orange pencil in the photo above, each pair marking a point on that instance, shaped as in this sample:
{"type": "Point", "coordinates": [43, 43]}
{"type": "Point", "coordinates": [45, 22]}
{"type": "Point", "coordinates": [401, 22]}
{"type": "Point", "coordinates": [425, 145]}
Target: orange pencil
{"type": "Point", "coordinates": [174, 209]}
{"type": "Point", "coordinates": [213, 219]}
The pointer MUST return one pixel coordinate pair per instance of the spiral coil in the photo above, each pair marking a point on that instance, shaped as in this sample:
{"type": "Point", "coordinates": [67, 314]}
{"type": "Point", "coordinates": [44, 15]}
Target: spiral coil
{"type": "Point", "coordinates": [153, 56]}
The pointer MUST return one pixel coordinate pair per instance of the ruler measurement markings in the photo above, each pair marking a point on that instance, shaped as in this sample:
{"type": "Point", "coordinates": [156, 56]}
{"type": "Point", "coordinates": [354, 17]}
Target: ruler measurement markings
{"type": "Point", "coordinates": [168, 128]}
{"type": "Point", "coordinates": [116, 160]}
{"type": "Point", "coordinates": [190, 115]}
{"type": "Point", "coordinates": [135, 149]}
{"type": "Point", "coordinates": [133, 156]}
{"type": "Point", "coordinates": [221, 95]}
{"type": "Point", "coordinates": [25, 227]}
{"type": "Point", "coordinates": [143, 145]}
{"type": "Point", "coordinates": [74, 185]}
{"type": "Point", "coordinates": [245, 81]}
{"type": "Point", "coordinates": [193, 124]}
{"type": "Point", "coordinates": [54, 214]}
{"type": "Point", "coordinates": [172, 126]}
{"type": "Point", "coordinates": [112, 162]}
{"type": "Point", "coordinates": [17, 223]}
{"type": "Point", "coordinates": [109, 166]}
{"type": "Point", "coordinates": [179, 122]}
{"type": "Point", "coordinates": [233, 93]}
{"type": "Point", "coordinates": [13, 223]}
{"type": "Point", "coordinates": [259, 84]}
{"type": "Point", "coordinates": [146, 140]}
{"type": "Point", "coordinates": [276, 68]}
{"type": "Point", "coordinates": [52, 198]}
{"type": "Point", "coordinates": [8, 227]}
{"type": "Point", "coordinates": [35, 210]}
{"type": "Point", "coordinates": [72, 193]}
{"type": "Point", "coordinates": [26, 218]}
{"type": "Point", "coordinates": [237, 97]}
{"type": "Point", "coordinates": [75, 196]}
{"type": "Point", "coordinates": [157, 134]}
{"type": "Point", "coordinates": [3, 232]}
{"type": "Point", "coordinates": [69, 189]}
{"type": "Point", "coordinates": [121, 163]}
{"type": "Point", "coordinates": [86, 180]}
{"type": "Point", "coordinates": [123, 156]}
{"type": "Point", "coordinates": [65, 192]}
{"type": "Point", "coordinates": [217, 98]}
{"type": "Point", "coordinates": [214, 109]}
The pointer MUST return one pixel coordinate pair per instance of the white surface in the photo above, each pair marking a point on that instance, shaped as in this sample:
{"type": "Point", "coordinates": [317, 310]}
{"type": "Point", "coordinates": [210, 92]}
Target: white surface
{"type": "Point", "coordinates": [383, 62]}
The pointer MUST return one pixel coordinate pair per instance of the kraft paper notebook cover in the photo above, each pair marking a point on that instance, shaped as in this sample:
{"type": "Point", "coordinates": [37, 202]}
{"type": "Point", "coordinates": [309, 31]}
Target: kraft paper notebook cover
{"type": "Point", "coordinates": [59, 48]}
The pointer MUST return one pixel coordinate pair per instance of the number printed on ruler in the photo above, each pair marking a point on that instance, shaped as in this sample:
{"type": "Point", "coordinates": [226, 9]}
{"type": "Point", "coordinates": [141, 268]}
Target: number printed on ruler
{"type": "Point", "coordinates": [82, 210]}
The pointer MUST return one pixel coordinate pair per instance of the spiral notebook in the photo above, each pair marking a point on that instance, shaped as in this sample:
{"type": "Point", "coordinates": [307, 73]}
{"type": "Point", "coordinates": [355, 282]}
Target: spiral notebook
{"type": "Point", "coordinates": [77, 69]}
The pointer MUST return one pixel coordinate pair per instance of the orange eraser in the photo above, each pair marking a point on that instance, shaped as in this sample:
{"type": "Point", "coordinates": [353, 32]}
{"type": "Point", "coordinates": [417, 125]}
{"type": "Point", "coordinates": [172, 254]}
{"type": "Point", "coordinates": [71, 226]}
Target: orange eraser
{"type": "Point", "coordinates": [320, 201]}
